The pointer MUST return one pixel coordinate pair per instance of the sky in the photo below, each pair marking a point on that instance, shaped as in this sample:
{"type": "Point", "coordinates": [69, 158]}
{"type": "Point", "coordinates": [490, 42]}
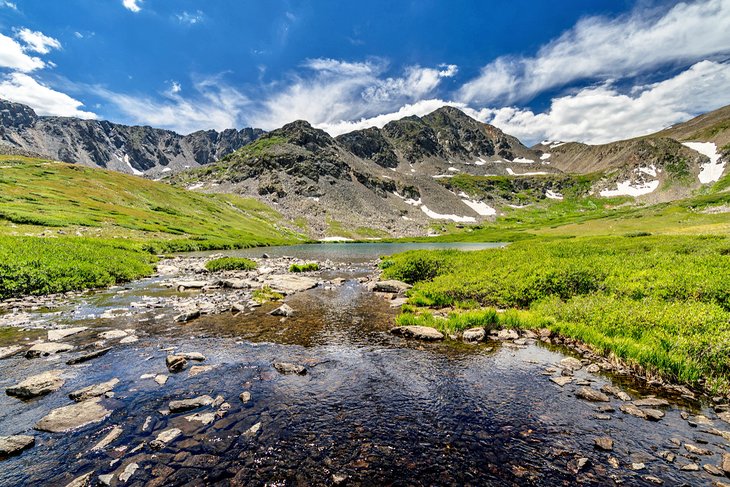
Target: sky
{"type": "Point", "coordinates": [592, 71]}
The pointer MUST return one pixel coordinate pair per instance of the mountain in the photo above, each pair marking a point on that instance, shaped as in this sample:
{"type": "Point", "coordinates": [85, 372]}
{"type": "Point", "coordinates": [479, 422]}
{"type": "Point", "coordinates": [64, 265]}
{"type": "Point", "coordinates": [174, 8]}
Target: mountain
{"type": "Point", "coordinates": [130, 149]}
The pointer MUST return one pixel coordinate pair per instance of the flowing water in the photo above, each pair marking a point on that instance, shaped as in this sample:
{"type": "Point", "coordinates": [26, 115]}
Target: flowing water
{"type": "Point", "coordinates": [373, 409]}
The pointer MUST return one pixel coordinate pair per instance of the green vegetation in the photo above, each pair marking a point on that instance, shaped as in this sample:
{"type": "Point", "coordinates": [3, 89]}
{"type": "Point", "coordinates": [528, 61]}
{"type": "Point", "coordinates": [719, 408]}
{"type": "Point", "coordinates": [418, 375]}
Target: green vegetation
{"type": "Point", "coordinates": [339, 229]}
{"type": "Point", "coordinates": [230, 264]}
{"type": "Point", "coordinates": [118, 222]}
{"type": "Point", "coordinates": [521, 189]}
{"type": "Point", "coordinates": [266, 294]}
{"type": "Point", "coordinates": [661, 302]}
{"type": "Point", "coordinates": [308, 267]}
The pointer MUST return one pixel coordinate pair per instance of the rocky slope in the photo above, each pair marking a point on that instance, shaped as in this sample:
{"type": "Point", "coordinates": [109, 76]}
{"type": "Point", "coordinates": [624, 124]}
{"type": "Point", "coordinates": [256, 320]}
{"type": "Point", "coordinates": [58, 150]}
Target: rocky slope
{"type": "Point", "coordinates": [130, 149]}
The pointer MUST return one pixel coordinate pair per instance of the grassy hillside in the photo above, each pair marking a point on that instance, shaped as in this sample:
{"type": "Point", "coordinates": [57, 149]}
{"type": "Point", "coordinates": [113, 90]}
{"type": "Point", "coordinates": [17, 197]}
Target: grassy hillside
{"type": "Point", "coordinates": [105, 225]}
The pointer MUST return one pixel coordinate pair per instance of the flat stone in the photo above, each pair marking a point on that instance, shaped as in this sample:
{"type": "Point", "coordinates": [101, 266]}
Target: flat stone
{"type": "Point", "coordinates": [289, 368]}
{"type": "Point", "coordinates": [391, 286]}
{"type": "Point", "coordinates": [46, 349]}
{"type": "Point", "coordinates": [562, 380]}
{"type": "Point", "coordinates": [129, 339]}
{"type": "Point", "coordinates": [95, 390]}
{"type": "Point", "coordinates": [653, 414]}
{"type": "Point", "coordinates": [12, 445]}
{"type": "Point", "coordinates": [690, 467]}
{"type": "Point", "coordinates": [196, 356]}
{"type": "Point", "coordinates": [187, 316]}
{"type": "Point", "coordinates": [615, 392]}
{"type": "Point", "coordinates": [696, 450]}
{"type": "Point", "coordinates": [425, 333]}
{"type": "Point", "coordinates": [290, 284]}
{"type": "Point", "coordinates": [713, 470]}
{"type": "Point", "coordinates": [571, 363]}
{"type": "Point", "coordinates": [199, 369]}
{"type": "Point", "coordinates": [633, 411]}
{"type": "Point", "coordinates": [82, 481]}
{"type": "Point", "coordinates": [474, 334]}
{"type": "Point", "coordinates": [113, 334]}
{"type": "Point", "coordinates": [61, 333]}
{"type": "Point", "coordinates": [115, 433]}
{"type": "Point", "coordinates": [725, 465]}
{"type": "Point", "coordinates": [591, 395]}
{"type": "Point", "coordinates": [88, 356]}
{"type": "Point", "coordinates": [164, 438]}
{"type": "Point", "coordinates": [253, 430]}
{"type": "Point", "coordinates": [188, 404]}
{"type": "Point", "coordinates": [653, 480]}
{"type": "Point", "coordinates": [668, 456]}
{"type": "Point", "coordinates": [204, 418]}
{"type": "Point", "coordinates": [128, 472]}
{"type": "Point", "coordinates": [7, 352]}
{"type": "Point", "coordinates": [507, 335]}
{"type": "Point", "coordinates": [593, 369]}
{"type": "Point", "coordinates": [182, 285]}
{"type": "Point", "coordinates": [175, 363]}
{"type": "Point", "coordinates": [37, 385]}
{"type": "Point", "coordinates": [604, 443]}
{"type": "Point", "coordinates": [68, 418]}
{"type": "Point", "coordinates": [283, 310]}
{"type": "Point", "coordinates": [236, 283]}
{"type": "Point", "coordinates": [651, 402]}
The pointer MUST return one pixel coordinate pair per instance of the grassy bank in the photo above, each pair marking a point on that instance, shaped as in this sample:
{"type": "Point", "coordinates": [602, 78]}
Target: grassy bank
{"type": "Point", "coordinates": [68, 227]}
{"type": "Point", "coordinates": [661, 302]}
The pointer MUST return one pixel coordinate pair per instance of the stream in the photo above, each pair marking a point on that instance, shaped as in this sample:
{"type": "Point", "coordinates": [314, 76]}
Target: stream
{"type": "Point", "coordinates": [372, 408]}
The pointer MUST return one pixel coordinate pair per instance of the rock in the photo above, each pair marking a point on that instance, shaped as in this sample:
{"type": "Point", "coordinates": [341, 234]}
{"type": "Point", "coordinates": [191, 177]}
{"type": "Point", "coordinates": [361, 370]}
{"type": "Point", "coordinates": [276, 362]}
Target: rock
{"type": "Point", "coordinates": [128, 472]}
{"type": "Point", "coordinates": [391, 286]}
{"type": "Point", "coordinates": [571, 363]}
{"type": "Point", "coordinates": [205, 418]}
{"type": "Point", "coordinates": [68, 418]}
{"type": "Point", "coordinates": [106, 479]}
{"type": "Point", "coordinates": [637, 466]}
{"type": "Point", "coordinates": [653, 414]}
{"type": "Point", "coordinates": [164, 438]}
{"type": "Point", "coordinates": [245, 397]}
{"type": "Point", "coordinates": [290, 284]}
{"type": "Point", "coordinates": [283, 310]}
{"type": "Point", "coordinates": [613, 461]}
{"type": "Point", "coordinates": [651, 402]}
{"type": "Point", "coordinates": [616, 392]}
{"type": "Point", "coordinates": [562, 380]}
{"type": "Point", "coordinates": [37, 385]}
{"type": "Point", "coordinates": [93, 391]}
{"type": "Point", "coordinates": [115, 433]}
{"type": "Point", "coordinates": [196, 356]}
{"type": "Point", "coordinates": [82, 481]}
{"type": "Point", "coordinates": [633, 411]}
{"type": "Point", "coordinates": [591, 395]}
{"type": "Point", "coordinates": [46, 349]}
{"type": "Point", "coordinates": [12, 445]}
{"type": "Point", "coordinates": [603, 443]}
{"type": "Point", "coordinates": [425, 333]}
{"type": "Point", "coordinates": [338, 478]}
{"type": "Point", "coordinates": [113, 334]}
{"type": "Point", "coordinates": [507, 335]}
{"type": "Point", "coordinates": [161, 379]}
{"type": "Point", "coordinates": [183, 285]}
{"type": "Point", "coordinates": [175, 363]}
{"type": "Point", "coordinates": [725, 465]}
{"type": "Point", "coordinates": [668, 456]}
{"type": "Point", "coordinates": [713, 470]}
{"type": "Point", "coordinates": [88, 356]}
{"type": "Point", "coordinates": [199, 369]}
{"type": "Point", "coordinates": [236, 283]}
{"type": "Point", "coordinates": [289, 368]}
{"type": "Point", "coordinates": [7, 352]}
{"type": "Point", "coordinates": [696, 450]}
{"type": "Point", "coordinates": [653, 480]}
{"type": "Point", "coordinates": [129, 339]}
{"type": "Point", "coordinates": [593, 369]}
{"type": "Point", "coordinates": [187, 316]}
{"type": "Point", "coordinates": [188, 404]}
{"type": "Point", "coordinates": [253, 430]}
{"type": "Point", "coordinates": [61, 333]}
{"type": "Point", "coordinates": [690, 467]}
{"type": "Point", "coordinates": [474, 335]}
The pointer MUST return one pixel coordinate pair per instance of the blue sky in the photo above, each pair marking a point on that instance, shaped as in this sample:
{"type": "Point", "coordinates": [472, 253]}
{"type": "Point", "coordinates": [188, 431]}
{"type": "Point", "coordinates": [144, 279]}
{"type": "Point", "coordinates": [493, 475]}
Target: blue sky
{"type": "Point", "coordinates": [571, 70]}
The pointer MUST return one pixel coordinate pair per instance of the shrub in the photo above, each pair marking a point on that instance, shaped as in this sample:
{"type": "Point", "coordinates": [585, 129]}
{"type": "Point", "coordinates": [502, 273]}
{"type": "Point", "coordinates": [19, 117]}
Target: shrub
{"type": "Point", "coordinates": [230, 264]}
{"type": "Point", "coordinates": [308, 267]}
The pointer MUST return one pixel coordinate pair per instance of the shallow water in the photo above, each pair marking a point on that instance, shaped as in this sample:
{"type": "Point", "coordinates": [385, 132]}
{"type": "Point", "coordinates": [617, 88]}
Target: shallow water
{"type": "Point", "coordinates": [374, 408]}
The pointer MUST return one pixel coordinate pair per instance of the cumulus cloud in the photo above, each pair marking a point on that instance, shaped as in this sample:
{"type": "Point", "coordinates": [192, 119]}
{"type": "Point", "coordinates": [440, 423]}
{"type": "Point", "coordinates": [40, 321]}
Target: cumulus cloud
{"type": "Point", "coordinates": [603, 114]}
{"type": "Point", "coordinates": [598, 48]}
{"type": "Point", "coordinates": [336, 91]}
{"type": "Point", "coordinates": [22, 88]}
{"type": "Point", "coordinates": [37, 41]}
{"type": "Point", "coordinates": [214, 105]}
{"type": "Point", "coordinates": [132, 5]}
{"type": "Point", "coordinates": [13, 56]}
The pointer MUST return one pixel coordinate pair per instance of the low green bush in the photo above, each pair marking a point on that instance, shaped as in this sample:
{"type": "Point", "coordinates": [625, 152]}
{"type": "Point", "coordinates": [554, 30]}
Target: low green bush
{"type": "Point", "coordinates": [308, 267]}
{"type": "Point", "coordinates": [230, 264]}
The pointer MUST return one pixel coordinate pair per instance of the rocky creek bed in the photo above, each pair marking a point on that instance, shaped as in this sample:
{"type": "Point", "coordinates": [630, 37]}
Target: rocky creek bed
{"type": "Point", "coordinates": [183, 379]}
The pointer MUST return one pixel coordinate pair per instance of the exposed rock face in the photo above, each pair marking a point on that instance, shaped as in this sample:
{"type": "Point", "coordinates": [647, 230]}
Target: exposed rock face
{"type": "Point", "coordinates": [113, 146]}
{"type": "Point", "coordinates": [37, 385]}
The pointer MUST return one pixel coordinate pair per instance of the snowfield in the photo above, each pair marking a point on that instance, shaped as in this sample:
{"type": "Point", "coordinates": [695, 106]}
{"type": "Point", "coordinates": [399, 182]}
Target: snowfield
{"type": "Point", "coordinates": [627, 189]}
{"type": "Point", "coordinates": [712, 171]}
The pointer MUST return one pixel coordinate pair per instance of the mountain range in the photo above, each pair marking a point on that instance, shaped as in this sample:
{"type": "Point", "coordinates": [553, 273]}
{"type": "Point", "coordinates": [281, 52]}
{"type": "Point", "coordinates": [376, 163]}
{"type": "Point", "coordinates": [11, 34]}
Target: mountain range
{"type": "Point", "coordinates": [400, 179]}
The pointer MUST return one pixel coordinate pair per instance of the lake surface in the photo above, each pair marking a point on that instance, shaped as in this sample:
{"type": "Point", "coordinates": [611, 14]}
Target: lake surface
{"type": "Point", "coordinates": [372, 409]}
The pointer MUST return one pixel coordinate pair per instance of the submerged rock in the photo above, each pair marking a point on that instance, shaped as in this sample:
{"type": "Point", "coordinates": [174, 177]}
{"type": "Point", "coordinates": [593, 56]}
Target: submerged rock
{"type": "Point", "coordinates": [113, 334]}
{"type": "Point", "coordinates": [289, 368]}
{"type": "Point", "coordinates": [571, 363]}
{"type": "Point", "coordinates": [115, 433]}
{"type": "Point", "coordinates": [68, 418]}
{"type": "Point", "coordinates": [616, 392]}
{"type": "Point", "coordinates": [283, 310]}
{"type": "Point", "coordinates": [419, 332]}
{"type": "Point", "coordinates": [95, 390]}
{"type": "Point", "coordinates": [651, 402]}
{"type": "Point", "coordinates": [88, 356]}
{"type": "Point", "coordinates": [188, 404]}
{"type": "Point", "coordinates": [633, 411]}
{"type": "Point", "coordinates": [46, 349]}
{"type": "Point", "coordinates": [591, 395]}
{"type": "Point", "coordinates": [37, 385]}
{"type": "Point", "coordinates": [605, 443]}
{"type": "Point", "coordinates": [196, 356]}
{"type": "Point", "coordinates": [12, 445]}
{"type": "Point", "coordinates": [562, 380]}
{"type": "Point", "coordinates": [175, 363]}
{"type": "Point", "coordinates": [187, 316]}
{"type": "Point", "coordinates": [164, 438]}
{"type": "Point", "coordinates": [82, 481]}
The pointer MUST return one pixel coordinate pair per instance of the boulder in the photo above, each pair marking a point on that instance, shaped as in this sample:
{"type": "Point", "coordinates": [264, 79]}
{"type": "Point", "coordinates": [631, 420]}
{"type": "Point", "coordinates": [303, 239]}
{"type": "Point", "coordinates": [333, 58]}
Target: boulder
{"type": "Point", "coordinates": [12, 445]}
{"type": "Point", "coordinates": [283, 310]}
{"type": "Point", "coordinates": [591, 395]}
{"type": "Point", "coordinates": [391, 286]}
{"type": "Point", "coordinates": [616, 392]}
{"type": "Point", "coordinates": [562, 380]}
{"type": "Point", "coordinates": [196, 356]}
{"type": "Point", "coordinates": [604, 443]}
{"type": "Point", "coordinates": [289, 368]}
{"type": "Point", "coordinates": [113, 334]}
{"type": "Point", "coordinates": [183, 285]}
{"type": "Point", "coordinates": [61, 333]}
{"type": "Point", "coordinates": [290, 284]}
{"type": "Point", "coordinates": [571, 363]}
{"type": "Point", "coordinates": [46, 349]}
{"type": "Point", "coordinates": [474, 335]}
{"type": "Point", "coordinates": [68, 418]}
{"type": "Point", "coordinates": [37, 385]}
{"type": "Point", "coordinates": [188, 404]}
{"type": "Point", "coordinates": [95, 390]}
{"type": "Point", "coordinates": [199, 369]}
{"type": "Point", "coordinates": [419, 332]}
{"type": "Point", "coordinates": [175, 363]}
{"type": "Point", "coordinates": [507, 335]}
{"type": "Point", "coordinates": [633, 411]}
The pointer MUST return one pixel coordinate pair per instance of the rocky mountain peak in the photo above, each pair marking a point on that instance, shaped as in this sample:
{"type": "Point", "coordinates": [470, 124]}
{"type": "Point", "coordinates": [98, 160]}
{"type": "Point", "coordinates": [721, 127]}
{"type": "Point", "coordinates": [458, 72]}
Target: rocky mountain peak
{"type": "Point", "coordinates": [16, 115]}
{"type": "Point", "coordinates": [301, 133]}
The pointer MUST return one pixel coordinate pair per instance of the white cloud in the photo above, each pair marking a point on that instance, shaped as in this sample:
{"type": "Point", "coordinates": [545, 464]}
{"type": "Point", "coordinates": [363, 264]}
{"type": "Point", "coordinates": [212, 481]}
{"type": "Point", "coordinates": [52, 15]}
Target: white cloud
{"type": "Point", "coordinates": [37, 41]}
{"type": "Point", "coordinates": [214, 106]}
{"type": "Point", "coordinates": [338, 91]}
{"type": "Point", "coordinates": [8, 4]}
{"type": "Point", "coordinates": [175, 87]}
{"type": "Point", "coordinates": [599, 48]}
{"type": "Point", "coordinates": [132, 5]}
{"type": "Point", "coordinates": [603, 114]}
{"type": "Point", "coordinates": [190, 18]}
{"type": "Point", "coordinates": [21, 88]}
{"type": "Point", "coordinates": [13, 56]}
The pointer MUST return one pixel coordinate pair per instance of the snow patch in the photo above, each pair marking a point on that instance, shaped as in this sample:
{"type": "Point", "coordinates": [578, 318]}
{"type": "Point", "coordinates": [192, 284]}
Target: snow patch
{"type": "Point", "coordinates": [480, 162]}
{"type": "Point", "coordinates": [453, 169]}
{"type": "Point", "coordinates": [553, 195]}
{"type": "Point", "coordinates": [167, 169]}
{"type": "Point", "coordinates": [651, 170]}
{"type": "Point", "coordinates": [523, 160]}
{"type": "Point", "coordinates": [480, 207]}
{"type": "Point", "coordinates": [627, 189]}
{"type": "Point", "coordinates": [544, 156]}
{"type": "Point", "coordinates": [194, 186]}
{"type": "Point", "coordinates": [441, 176]}
{"type": "Point", "coordinates": [335, 239]}
{"type": "Point", "coordinates": [711, 171]}
{"type": "Point", "coordinates": [129, 164]}
{"type": "Point", "coordinates": [536, 173]}
{"type": "Point", "coordinates": [439, 216]}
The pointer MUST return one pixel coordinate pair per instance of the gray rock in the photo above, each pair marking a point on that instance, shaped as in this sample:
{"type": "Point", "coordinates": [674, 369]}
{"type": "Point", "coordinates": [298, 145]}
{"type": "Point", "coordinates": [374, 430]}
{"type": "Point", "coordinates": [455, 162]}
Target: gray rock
{"type": "Point", "coordinates": [187, 316]}
{"type": "Point", "coordinates": [474, 335]}
{"type": "Point", "coordinates": [196, 356]}
{"type": "Point", "coordinates": [245, 397]}
{"type": "Point", "coordinates": [562, 380]}
{"type": "Point", "coordinates": [604, 443]}
{"type": "Point", "coordinates": [61, 333]}
{"type": "Point", "coordinates": [651, 402]}
{"type": "Point", "coordinates": [164, 438]}
{"type": "Point", "coordinates": [633, 411]}
{"type": "Point", "coordinates": [290, 284]}
{"type": "Point", "coordinates": [571, 363]}
{"type": "Point", "coordinates": [391, 286]}
{"type": "Point", "coordinates": [289, 368]}
{"type": "Point", "coordinates": [113, 334]}
{"type": "Point", "coordinates": [689, 467]}
{"type": "Point", "coordinates": [653, 414]}
{"type": "Point", "coordinates": [283, 310]}
{"type": "Point", "coordinates": [591, 395]}
{"type": "Point", "coordinates": [128, 471]}
{"type": "Point", "coordinates": [236, 283]}
{"type": "Point", "coordinates": [425, 333]}
{"type": "Point", "coordinates": [46, 349]}
{"type": "Point", "coordinates": [95, 390]}
{"type": "Point", "coordinates": [507, 335]}
{"type": "Point", "coordinates": [616, 392]}
{"type": "Point", "coordinates": [82, 481]}
{"type": "Point", "coordinates": [188, 404]}
{"type": "Point", "coordinates": [37, 385]}
{"type": "Point", "coordinates": [68, 418]}
{"type": "Point", "coordinates": [175, 363]}
{"type": "Point", "coordinates": [110, 437]}
{"type": "Point", "coordinates": [696, 450]}
{"type": "Point", "coordinates": [182, 285]}
{"type": "Point", "coordinates": [88, 356]}
{"type": "Point", "coordinates": [7, 352]}
{"type": "Point", "coordinates": [12, 445]}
